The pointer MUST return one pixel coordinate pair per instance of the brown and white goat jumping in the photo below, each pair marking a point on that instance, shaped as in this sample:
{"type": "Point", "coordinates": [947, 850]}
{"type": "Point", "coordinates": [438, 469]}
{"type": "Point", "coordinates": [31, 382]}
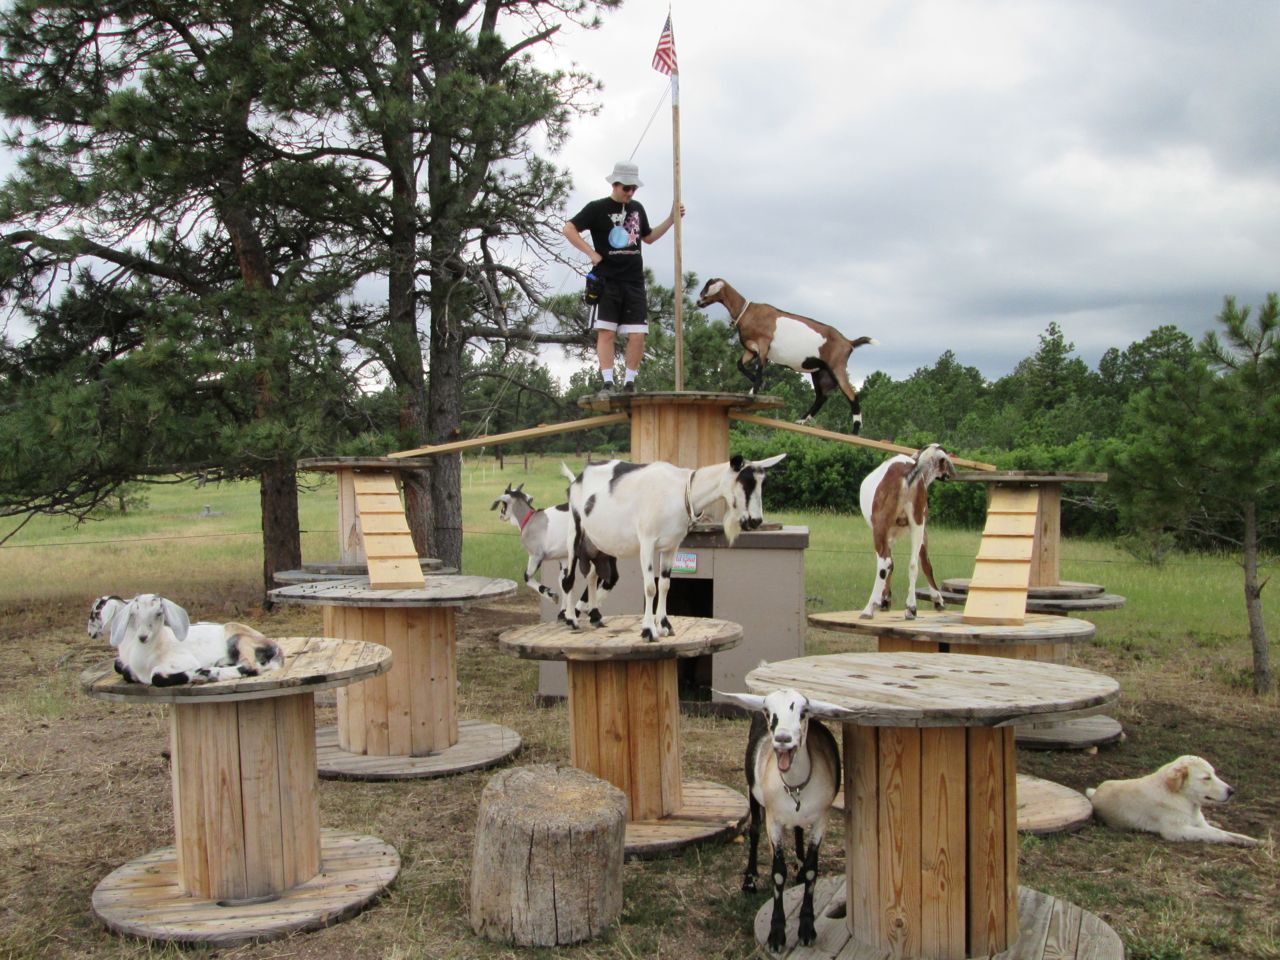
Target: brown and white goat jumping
{"type": "Point", "coordinates": [804, 345]}
{"type": "Point", "coordinates": [895, 497]}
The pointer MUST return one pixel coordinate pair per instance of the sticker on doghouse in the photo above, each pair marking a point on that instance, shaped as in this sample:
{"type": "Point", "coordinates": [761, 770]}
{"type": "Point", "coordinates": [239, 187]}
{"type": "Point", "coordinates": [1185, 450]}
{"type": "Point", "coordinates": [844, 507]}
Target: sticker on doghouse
{"type": "Point", "coordinates": [686, 562]}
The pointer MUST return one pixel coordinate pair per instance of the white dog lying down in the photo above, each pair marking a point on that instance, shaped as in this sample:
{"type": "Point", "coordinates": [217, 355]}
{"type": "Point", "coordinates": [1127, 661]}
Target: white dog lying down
{"type": "Point", "coordinates": [157, 643]}
{"type": "Point", "coordinates": [1167, 802]}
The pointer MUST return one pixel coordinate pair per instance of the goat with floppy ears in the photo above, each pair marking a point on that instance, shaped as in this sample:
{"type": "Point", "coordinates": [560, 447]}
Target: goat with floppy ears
{"type": "Point", "coordinates": [793, 774]}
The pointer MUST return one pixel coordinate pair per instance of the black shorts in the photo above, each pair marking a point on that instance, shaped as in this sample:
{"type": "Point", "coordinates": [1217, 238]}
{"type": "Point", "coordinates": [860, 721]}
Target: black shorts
{"type": "Point", "coordinates": [622, 307]}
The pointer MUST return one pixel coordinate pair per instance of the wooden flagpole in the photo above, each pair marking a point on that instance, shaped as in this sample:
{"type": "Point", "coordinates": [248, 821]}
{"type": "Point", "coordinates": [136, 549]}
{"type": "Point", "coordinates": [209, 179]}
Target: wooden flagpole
{"type": "Point", "coordinates": [679, 286]}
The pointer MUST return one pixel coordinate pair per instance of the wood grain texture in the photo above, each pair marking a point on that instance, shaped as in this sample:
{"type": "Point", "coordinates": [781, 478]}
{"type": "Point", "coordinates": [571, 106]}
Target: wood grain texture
{"type": "Point", "coordinates": [436, 590]}
{"type": "Point", "coordinates": [949, 626]}
{"type": "Point", "coordinates": [619, 639]}
{"type": "Point", "coordinates": [144, 898]}
{"type": "Point", "coordinates": [938, 689]}
{"type": "Point", "coordinates": [479, 745]}
{"type": "Point", "coordinates": [547, 864]}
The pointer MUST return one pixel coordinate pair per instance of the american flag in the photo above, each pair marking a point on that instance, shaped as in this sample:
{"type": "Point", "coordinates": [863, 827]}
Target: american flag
{"type": "Point", "coordinates": [664, 58]}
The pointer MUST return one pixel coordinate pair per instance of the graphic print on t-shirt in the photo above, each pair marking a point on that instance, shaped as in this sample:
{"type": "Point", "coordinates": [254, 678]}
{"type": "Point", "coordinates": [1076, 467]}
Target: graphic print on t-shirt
{"type": "Point", "coordinates": [626, 229]}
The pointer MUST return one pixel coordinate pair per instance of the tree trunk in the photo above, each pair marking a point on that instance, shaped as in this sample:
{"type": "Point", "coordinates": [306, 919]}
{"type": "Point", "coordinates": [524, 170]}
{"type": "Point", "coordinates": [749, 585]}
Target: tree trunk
{"type": "Point", "coordinates": [281, 540]}
{"type": "Point", "coordinates": [444, 415]}
{"type": "Point", "coordinates": [1263, 681]}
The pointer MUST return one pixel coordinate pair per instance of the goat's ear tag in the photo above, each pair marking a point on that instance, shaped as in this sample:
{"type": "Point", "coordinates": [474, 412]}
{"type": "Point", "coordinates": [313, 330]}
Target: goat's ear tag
{"type": "Point", "coordinates": [736, 462]}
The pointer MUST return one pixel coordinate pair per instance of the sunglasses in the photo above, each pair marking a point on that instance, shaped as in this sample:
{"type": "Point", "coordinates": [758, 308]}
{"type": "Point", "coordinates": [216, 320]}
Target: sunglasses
{"type": "Point", "coordinates": [625, 188]}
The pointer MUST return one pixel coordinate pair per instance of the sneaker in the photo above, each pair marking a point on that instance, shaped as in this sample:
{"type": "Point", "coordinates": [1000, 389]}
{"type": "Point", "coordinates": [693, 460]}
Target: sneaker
{"type": "Point", "coordinates": [629, 387]}
{"type": "Point", "coordinates": [607, 390]}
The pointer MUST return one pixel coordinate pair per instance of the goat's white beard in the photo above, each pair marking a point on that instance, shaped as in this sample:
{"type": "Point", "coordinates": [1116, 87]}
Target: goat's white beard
{"type": "Point", "coordinates": [732, 525]}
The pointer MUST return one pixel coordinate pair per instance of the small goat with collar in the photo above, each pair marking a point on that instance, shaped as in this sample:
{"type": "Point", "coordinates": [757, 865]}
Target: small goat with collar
{"type": "Point", "coordinates": [156, 643]}
{"type": "Point", "coordinates": [895, 497]}
{"type": "Point", "coordinates": [646, 510]}
{"type": "Point", "coordinates": [545, 535]}
{"type": "Point", "coordinates": [793, 775]}
{"type": "Point", "coordinates": [801, 343]}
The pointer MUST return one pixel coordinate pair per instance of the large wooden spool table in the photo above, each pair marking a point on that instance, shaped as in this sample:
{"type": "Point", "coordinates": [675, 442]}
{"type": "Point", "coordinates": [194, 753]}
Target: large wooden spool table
{"type": "Point", "coordinates": [404, 725]}
{"type": "Point", "coordinates": [624, 716]}
{"type": "Point", "coordinates": [930, 819]}
{"type": "Point", "coordinates": [250, 860]}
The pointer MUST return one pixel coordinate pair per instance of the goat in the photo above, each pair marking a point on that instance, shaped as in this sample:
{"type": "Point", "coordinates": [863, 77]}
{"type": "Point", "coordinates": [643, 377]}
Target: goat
{"type": "Point", "coordinates": [894, 496]}
{"type": "Point", "coordinates": [632, 509]}
{"type": "Point", "coordinates": [805, 345]}
{"type": "Point", "coordinates": [157, 644]}
{"type": "Point", "coordinates": [545, 535]}
{"type": "Point", "coordinates": [793, 774]}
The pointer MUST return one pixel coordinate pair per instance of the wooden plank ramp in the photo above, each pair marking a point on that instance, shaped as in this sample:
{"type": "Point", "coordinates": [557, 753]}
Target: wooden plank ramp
{"type": "Point", "coordinates": [388, 544]}
{"type": "Point", "coordinates": [1002, 571]}
{"type": "Point", "coordinates": [1048, 929]}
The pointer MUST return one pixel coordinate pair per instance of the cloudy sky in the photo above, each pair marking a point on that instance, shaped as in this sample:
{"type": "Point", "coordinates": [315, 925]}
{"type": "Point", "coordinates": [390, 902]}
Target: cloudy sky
{"type": "Point", "coordinates": [955, 174]}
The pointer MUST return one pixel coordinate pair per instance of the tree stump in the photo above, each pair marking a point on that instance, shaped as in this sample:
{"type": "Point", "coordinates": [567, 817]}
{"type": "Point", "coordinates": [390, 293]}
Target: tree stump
{"type": "Point", "coordinates": [547, 867]}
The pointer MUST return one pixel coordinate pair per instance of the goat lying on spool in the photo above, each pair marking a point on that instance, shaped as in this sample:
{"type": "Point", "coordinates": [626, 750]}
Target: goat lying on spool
{"type": "Point", "coordinates": [545, 535]}
{"type": "Point", "coordinates": [893, 497]}
{"type": "Point", "coordinates": [803, 344]}
{"type": "Point", "coordinates": [646, 509]}
{"type": "Point", "coordinates": [156, 643]}
{"type": "Point", "coordinates": [793, 774]}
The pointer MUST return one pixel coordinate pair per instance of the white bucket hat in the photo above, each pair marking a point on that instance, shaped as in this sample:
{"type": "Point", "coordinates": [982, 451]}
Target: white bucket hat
{"type": "Point", "coordinates": [627, 174]}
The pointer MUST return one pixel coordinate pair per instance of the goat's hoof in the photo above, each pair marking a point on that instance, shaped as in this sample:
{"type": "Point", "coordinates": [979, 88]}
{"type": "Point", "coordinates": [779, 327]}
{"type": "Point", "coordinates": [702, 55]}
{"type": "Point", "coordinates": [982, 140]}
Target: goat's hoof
{"type": "Point", "coordinates": [597, 618]}
{"type": "Point", "coordinates": [911, 613]}
{"type": "Point", "coordinates": [807, 934]}
{"type": "Point", "coordinates": [648, 635]}
{"type": "Point", "coordinates": [885, 605]}
{"type": "Point", "coordinates": [748, 883]}
{"type": "Point", "coordinates": [560, 615]}
{"type": "Point", "coordinates": [571, 624]}
{"type": "Point", "coordinates": [667, 629]}
{"type": "Point", "coordinates": [939, 605]}
{"type": "Point", "coordinates": [777, 940]}
{"type": "Point", "coordinates": [867, 615]}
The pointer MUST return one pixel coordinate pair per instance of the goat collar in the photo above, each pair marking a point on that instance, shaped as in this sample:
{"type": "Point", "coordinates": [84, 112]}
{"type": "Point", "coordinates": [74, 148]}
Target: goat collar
{"type": "Point", "coordinates": [688, 498]}
{"type": "Point", "coordinates": [525, 521]}
{"type": "Point", "coordinates": [741, 312]}
{"type": "Point", "coordinates": [794, 792]}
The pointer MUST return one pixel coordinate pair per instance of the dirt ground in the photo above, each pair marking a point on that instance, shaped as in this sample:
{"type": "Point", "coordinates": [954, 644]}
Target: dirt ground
{"type": "Point", "coordinates": [84, 787]}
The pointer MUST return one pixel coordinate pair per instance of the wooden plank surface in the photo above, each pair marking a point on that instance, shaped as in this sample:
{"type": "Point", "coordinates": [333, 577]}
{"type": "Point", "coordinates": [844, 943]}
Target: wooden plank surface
{"type": "Point", "coordinates": [708, 812]}
{"type": "Point", "coordinates": [943, 842]}
{"type": "Point", "coordinates": [497, 439]}
{"type": "Point", "coordinates": [436, 590]}
{"type": "Point", "coordinates": [947, 626]}
{"type": "Point", "coordinates": [316, 663]}
{"type": "Point", "coordinates": [938, 689]}
{"type": "Point", "coordinates": [479, 745]}
{"type": "Point", "coordinates": [619, 639]}
{"type": "Point", "coordinates": [849, 438]}
{"type": "Point", "coordinates": [143, 897]}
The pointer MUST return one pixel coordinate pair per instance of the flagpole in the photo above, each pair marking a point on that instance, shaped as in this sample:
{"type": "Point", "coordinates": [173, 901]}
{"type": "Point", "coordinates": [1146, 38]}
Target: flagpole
{"type": "Point", "coordinates": [679, 285]}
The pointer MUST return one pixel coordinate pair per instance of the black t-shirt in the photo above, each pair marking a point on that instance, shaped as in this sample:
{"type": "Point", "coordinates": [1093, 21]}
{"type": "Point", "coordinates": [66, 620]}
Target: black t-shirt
{"type": "Point", "coordinates": [616, 229]}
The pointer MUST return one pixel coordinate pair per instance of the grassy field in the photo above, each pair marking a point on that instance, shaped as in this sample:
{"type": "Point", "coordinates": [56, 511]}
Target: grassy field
{"type": "Point", "coordinates": [84, 784]}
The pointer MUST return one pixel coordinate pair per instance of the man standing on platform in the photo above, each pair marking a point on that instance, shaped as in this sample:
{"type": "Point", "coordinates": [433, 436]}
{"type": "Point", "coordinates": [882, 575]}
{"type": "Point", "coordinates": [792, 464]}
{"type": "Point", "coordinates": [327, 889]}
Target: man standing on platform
{"type": "Point", "coordinates": [617, 224]}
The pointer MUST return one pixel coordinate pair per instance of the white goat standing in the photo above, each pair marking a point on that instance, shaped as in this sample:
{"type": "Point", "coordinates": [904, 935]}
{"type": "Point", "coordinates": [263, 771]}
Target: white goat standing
{"type": "Point", "coordinates": [546, 535]}
{"type": "Point", "coordinates": [646, 510]}
{"type": "Point", "coordinates": [793, 774]}
{"type": "Point", "coordinates": [894, 497]}
{"type": "Point", "coordinates": [157, 644]}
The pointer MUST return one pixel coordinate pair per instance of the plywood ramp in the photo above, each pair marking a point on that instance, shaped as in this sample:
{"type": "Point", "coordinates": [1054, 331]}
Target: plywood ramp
{"type": "Point", "coordinates": [1002, 572]}
{"type": "Point", "coordinates": [388, 544]}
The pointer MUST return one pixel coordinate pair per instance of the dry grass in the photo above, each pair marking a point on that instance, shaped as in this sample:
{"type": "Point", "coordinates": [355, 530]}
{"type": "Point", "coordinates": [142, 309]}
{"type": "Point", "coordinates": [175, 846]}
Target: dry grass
{"type": "Point", "coordinates": [84, 784]}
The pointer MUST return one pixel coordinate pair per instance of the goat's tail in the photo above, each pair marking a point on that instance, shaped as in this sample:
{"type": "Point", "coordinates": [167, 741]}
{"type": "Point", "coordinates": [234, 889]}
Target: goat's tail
{"type": "Point", "coordinates": [566, 472]}
{"type": "Point", "coordinates": [863, 342]}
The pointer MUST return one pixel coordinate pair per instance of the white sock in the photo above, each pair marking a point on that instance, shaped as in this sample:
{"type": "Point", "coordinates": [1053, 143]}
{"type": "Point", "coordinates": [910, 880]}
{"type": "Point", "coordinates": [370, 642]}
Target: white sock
{"type": "Point", "coordinates": [631, 375]}
{"type": "Point", "coordinates": [607, 375]}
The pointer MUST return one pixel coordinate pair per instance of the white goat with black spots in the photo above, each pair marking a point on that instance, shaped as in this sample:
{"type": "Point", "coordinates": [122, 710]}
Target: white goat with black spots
{"type": "Point", "coordinates": [546, 535]}
{"type": "Point", "coordinates": [646, 510]}
{"type": "Point", "coordinates": [793, 774]}
{"type": "Point", "coordinates": [156, 643]}
{"type": "Point", "coordinates": [895, 497]}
